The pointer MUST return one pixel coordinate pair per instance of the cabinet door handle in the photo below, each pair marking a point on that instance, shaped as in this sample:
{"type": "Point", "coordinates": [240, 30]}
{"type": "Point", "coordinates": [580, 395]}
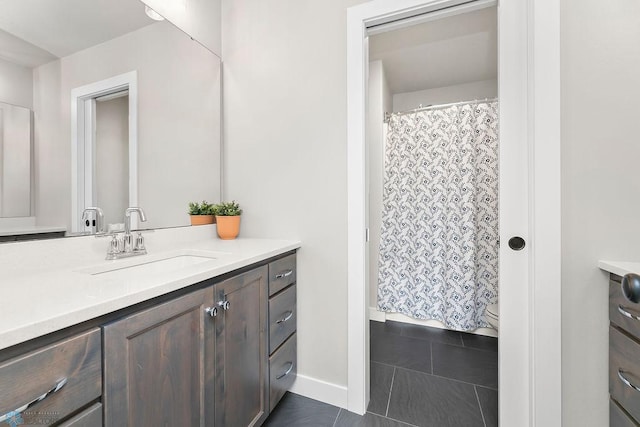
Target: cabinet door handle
{"type": "Point", "coordinates": [288, 316]}
{"type": "Point", "coordinates": [40, 398]}
{"type": "Point", "coordinates": [626, 381]}
{"type": "Point", "coordinates": [287, 372]}
{"type": "Point", "coordinates": [211, 311]}
{"type": "Point", "coordinates": [623, 310]}
{"type": "Point", "coordinates": [284, 274]}
{"type": "Point", "coordinates": [226, 305]}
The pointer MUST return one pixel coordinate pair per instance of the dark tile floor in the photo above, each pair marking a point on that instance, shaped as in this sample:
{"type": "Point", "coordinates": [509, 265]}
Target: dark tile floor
{"type": "Point", "coordinates": [420, 376]}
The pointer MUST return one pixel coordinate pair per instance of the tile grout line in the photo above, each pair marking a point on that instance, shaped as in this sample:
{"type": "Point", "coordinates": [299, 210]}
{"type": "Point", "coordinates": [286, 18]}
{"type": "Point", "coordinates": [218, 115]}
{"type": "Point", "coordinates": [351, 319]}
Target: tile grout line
{"type": "Point", "coordinates": [431, 350]}
{"type": "Point", "coordinates": [475, 389]}
{"type": "Point", "coordinates": [390, 390]}
{"type": "Point", "coordinates": [460, 344]}
{"type": "Point", "coordinates": [438, 376]}
{"type": "Point", "coordinates": [401, 422]}
{"type": "Point", "coordinates": [338, 416]}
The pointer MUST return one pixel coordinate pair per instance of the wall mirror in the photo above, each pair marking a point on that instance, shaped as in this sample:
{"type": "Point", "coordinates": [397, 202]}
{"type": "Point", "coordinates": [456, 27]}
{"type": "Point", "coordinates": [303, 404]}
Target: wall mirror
{"type": "Point", "coordinates": [117, 109]}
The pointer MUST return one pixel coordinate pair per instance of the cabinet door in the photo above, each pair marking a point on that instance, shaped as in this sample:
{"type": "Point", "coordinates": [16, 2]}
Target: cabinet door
{"type": "Point", "coordinates": [158, 365]}
{"type": "Point", "coordinates": [241, 397]}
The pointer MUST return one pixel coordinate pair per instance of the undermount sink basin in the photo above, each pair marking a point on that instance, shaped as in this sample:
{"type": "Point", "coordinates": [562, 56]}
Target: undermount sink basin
{"type": "Point", "coordinates": [148, 264]}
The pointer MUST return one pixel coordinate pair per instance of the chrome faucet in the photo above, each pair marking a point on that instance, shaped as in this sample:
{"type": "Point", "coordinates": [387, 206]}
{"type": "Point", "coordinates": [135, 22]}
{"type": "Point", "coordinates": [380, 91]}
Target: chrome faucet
{"type": "Point", "coordinates": [128, 238]}
{"type": "Point", "coordinates": [99, 217]}
{"type": "Point", "coordinates": [127, 218]}
{"type": "Point", "coordinates": [125, 246]}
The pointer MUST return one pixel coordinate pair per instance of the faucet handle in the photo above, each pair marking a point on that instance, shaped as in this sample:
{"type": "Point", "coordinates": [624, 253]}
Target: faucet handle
{"type": "Point", "coordinates": [114, 246]}
{"type": "Point", "coordinates": [139, 244]}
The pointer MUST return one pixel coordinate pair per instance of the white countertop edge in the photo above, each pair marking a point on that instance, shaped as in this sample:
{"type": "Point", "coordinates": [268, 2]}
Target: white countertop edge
{"type": "Point", "coordinates": [619, 267]}
{"type": "Point", "coordinates": [47, 325]}
{"type": "Point", "coordinates": [31, 230]}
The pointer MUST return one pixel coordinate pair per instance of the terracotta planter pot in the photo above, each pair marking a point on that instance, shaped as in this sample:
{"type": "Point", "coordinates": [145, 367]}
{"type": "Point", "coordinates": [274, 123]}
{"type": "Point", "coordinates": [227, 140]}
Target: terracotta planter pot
{"type": "Point", "coordinates": [202, 219]}
{"type": "Point", "coordinates": [228, 227]}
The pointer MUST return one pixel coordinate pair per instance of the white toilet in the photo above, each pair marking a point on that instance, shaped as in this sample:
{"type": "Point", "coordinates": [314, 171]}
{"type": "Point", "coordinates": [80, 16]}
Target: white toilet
{"type": "Point", "coordinates": [492, 315]}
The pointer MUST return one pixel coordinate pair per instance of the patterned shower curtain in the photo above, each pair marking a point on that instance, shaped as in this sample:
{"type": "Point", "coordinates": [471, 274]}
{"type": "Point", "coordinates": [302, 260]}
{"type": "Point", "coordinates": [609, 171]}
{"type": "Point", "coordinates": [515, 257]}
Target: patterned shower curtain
{"type": "Point", "coordinates": [439, 242]}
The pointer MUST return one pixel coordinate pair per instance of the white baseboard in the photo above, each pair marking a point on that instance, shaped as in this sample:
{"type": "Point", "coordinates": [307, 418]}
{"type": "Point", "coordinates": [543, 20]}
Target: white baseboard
{"type": "Point", "coordinates": [323, 391]}
{"type": "Point", "coordinates": [378, 316]}
{"type": "Point", "coordinates": [381, 316]}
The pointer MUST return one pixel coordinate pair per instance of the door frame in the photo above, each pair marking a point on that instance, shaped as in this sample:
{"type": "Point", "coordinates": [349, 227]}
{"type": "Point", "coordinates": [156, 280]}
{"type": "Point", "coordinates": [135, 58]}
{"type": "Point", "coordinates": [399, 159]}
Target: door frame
{"type": "Point", "coordinates": [83, 119]}
{"type": "Point", "coordinates": [530, 304]}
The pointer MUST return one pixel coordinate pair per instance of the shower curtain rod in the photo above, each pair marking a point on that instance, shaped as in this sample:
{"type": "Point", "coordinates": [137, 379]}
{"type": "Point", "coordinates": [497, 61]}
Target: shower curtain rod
{"type": "Point", "coordinates": [387, 116]}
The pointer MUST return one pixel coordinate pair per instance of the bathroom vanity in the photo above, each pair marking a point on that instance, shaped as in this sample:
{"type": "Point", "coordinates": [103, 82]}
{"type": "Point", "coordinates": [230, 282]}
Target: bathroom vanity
{"type": "Point", "coordinates": [203, 334]}
{"type": "Point", "coordinates": [624, 349]}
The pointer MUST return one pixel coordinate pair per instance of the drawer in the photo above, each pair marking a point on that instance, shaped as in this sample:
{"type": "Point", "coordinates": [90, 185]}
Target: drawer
{"type": "Point", "coordinates": [282, 370]}
{"type": "Point", "coordinates": [282, 317]}
{"type": "Point", "coordinates": [624, 372]}
{"type": "Point", "coordinates": [90, 417]}
{"type": "Point", "coordinates": [617, 417]}
{"type": "Point", "coordinates": [623, 312]}
{"type": "Point", "coordinates": [282, 273]}
{"type": "Point", "coordinates": [29, 377]}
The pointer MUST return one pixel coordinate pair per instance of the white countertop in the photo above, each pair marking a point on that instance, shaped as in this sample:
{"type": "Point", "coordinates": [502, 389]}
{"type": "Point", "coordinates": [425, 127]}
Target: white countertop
{"type": "Point", "coordinates": [620, 267]}
{"type": "Point", "coordinates": [48, 285]}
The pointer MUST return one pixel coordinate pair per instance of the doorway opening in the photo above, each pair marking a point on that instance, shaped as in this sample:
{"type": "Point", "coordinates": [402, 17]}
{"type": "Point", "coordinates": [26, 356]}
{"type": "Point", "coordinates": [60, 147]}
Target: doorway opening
{"type": "Point", "coordinates": [432, 185]}
{"type": "Point", "coordinates": [104, 149]}
{"type": "Point", "coordinates": [529, 163]}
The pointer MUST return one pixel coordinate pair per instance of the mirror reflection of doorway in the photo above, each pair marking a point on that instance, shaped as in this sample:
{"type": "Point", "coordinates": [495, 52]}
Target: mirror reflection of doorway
{"type": "Point", "coordinates": [111, 164]}
{"type": "Point", "coordinates": [107, 171]}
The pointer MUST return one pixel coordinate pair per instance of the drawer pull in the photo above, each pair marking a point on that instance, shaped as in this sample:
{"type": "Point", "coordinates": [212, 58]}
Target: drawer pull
{"type": "Point", "coordinates": [626, 381]}
{"type": "Point", "coordinates": [622, 310]}
{"type": "Point", "coordinates": [285, 318]}
{"type": "Point", "coordinates": [287, 372]}
{"type": "Point", "coordinates": [284, 274]}
{"type": "Point", "coordinates": [40, 398]}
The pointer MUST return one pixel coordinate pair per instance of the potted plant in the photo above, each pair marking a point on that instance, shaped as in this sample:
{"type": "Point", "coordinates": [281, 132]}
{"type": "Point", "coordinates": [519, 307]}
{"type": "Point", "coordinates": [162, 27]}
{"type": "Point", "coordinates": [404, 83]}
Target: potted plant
{"type": "Point", "coordinates": [227, 219]}
{"type": "Point", "coordinates": [201, 213]}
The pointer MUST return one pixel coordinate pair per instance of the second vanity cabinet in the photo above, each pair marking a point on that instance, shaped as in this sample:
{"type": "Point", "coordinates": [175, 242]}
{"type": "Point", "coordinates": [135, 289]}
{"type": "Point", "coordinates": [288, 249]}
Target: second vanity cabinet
{"type": "Point", "coordinates": [203, 359]}
{"type": "Point", "coordinates": [624, 358]}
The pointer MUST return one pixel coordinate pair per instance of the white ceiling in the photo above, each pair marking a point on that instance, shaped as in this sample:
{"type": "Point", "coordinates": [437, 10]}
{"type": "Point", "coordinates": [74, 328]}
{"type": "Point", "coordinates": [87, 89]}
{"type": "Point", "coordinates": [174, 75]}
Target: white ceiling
{"type": "Point", "coordinates": [45, 29]}
{"type": "Point", "coordinates": [450, 51]}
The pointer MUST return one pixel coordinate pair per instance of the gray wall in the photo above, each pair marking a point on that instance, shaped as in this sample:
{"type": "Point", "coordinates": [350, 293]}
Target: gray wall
{"type": "Point", "coordinates": [444, 95]}
{"type": "Point", "coordinates": [285, 153]}
{"type": "Point", "coordinates": [16, 84]}
{"type": "Point", "coordinates": [600, 187]}
{"type": "Point", "coordinates": [112, 158]}
{"type": "Point", "coordinates": [380, 101]}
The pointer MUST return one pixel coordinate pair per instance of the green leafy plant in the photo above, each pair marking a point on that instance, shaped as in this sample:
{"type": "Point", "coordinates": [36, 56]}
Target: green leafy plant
{"type": "Point", "coordinates": [203, 208]}
{"type": "Point", "coordinates": [227, 209]}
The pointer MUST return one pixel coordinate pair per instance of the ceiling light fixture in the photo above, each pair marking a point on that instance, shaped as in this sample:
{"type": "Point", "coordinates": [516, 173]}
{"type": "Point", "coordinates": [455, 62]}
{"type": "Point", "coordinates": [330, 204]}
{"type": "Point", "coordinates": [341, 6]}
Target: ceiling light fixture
{"type": "Point", "coordinates": [153, 14]}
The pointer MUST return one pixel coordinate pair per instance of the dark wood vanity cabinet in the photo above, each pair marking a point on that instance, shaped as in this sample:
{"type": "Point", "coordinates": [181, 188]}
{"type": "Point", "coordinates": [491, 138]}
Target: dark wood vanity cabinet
{"type": "Point", "coordinates": [159, 365]}
{"type": "Point", "coordinates": [624, 358]}
{"type": "Point", "coordinates": [241, 378]}
{"type": "Point", "coordinates": [283, 344]}
{"type": "Point", "coordinates": [202, 359]}
{"type": "Point", "coordinates": [53, 383]}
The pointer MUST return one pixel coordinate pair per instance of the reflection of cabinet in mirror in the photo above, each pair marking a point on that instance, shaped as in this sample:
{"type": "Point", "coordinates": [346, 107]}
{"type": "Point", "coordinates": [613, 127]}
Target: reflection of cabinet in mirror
{"type": "Point", "coordinates": [15, 161]}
